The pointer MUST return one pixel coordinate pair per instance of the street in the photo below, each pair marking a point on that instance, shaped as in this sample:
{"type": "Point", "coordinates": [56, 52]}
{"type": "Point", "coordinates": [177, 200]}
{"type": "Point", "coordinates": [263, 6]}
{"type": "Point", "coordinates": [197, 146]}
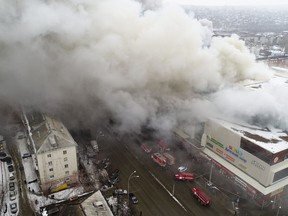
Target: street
{"type": "Point", "coordinates": [154, 187]}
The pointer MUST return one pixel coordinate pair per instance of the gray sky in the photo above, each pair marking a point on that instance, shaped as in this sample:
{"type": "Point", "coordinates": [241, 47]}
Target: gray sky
{"type": "Point", "coordinates": [229, 2]}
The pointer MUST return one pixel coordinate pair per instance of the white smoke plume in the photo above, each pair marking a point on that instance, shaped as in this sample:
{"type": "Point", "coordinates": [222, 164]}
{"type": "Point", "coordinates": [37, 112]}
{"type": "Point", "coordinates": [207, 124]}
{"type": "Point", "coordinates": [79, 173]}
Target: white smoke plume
{"type": "Point", "coordinates": [97, 58]}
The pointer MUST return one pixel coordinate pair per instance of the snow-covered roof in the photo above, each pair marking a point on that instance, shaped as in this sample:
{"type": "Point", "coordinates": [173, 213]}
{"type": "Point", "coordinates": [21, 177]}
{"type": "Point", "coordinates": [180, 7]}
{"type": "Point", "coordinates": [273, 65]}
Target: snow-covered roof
{"type": "Point", "coordinates": [91, 205]}
{"type": "Point", "coordinates": [49, 134]}
{"type": "Point", "coordinates": [273, 140]}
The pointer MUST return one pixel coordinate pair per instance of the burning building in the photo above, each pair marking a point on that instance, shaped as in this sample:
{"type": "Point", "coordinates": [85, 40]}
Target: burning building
{"type": "Point", "coordinates": [254, 155]}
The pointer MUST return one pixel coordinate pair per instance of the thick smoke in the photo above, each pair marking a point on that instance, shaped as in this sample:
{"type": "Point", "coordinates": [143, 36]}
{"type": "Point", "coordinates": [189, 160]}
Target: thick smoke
{"type": "Point", "coordinates": [115, 58]}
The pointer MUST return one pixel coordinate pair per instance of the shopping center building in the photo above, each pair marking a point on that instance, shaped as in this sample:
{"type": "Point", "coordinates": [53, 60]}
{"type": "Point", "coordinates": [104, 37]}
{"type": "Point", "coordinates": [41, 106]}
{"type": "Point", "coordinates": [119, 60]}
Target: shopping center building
{"type": "Point", "coordinates": [256, 157]}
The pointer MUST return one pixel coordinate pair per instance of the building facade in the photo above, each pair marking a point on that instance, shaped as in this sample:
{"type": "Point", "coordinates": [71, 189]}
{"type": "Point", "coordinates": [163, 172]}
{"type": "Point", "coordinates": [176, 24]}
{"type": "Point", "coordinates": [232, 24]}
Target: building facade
{"type": "Point", "coordinates": [257, 157]}
{"type": "Point", "coordinates": [54, 152]}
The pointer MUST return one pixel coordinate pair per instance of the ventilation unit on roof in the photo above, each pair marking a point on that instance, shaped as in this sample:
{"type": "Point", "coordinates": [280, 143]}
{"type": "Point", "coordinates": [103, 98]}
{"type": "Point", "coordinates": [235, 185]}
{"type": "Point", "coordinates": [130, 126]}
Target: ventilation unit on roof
{"type": "Point", "coordinates": [52, 141]}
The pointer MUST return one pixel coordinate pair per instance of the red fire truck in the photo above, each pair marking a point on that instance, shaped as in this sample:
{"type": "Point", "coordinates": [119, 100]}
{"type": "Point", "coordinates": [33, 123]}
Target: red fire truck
{"type": "Point", "coordinates": [201, 196]}
{"type": "Point", "coordinates": [184, 176]}
{"type": "Point", "coordinates": [159, 158]}
{"type": "Point", "coordinates": [169, 158]}
{"type": "Point", "coordinates": [147, 148]}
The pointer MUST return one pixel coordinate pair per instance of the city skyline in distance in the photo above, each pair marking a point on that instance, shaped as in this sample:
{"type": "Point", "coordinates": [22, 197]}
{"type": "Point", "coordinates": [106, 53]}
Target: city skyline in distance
{"type": "Point", "coordinates": [229, 3]}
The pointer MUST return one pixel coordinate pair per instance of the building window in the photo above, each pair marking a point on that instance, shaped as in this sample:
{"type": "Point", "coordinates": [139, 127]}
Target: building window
{"type": "Point", "coordinates": [50, 163]}
{"type": "Point", "coordinates": [66, 172]}
{"type": "Point", "coordinates": [66, 165]}
{"type": "Point", "coordinates": [65, 152]}
{"type": "Point", "coordinates": [65, 159]}
{"type": "Point", "coordinates": [51, 176]}
{"type": "Point", "coordinates": [51, 170]}
{"type": "Point", "coordinates": [280, 174]}
{"type": "Point", "coordinates": [49, 155]}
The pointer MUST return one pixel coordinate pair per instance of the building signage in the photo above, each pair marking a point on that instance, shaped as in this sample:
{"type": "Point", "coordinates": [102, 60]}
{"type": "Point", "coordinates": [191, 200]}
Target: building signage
{"type": "Point", "coordinates": [215, 141]}
{"type": "Point", "coordinates": [219, 151]}
{"type": "Point", "coordinates": [258, 165]}
{"type": "Point", "coordinates": [241, 166]}
{"type": "Point", "coordinates": [230, 158]}
{"type": "Point", "coordinates": [236, 153]}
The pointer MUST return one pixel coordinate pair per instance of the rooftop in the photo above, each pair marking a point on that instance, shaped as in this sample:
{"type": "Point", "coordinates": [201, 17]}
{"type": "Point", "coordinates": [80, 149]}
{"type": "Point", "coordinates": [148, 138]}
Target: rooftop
{"type": "Point", "coordinates": [49, 133]}
{"type": "Point", "coordinates": [272, 140]}
{"type": "Point", "coordinates": [96, 205]}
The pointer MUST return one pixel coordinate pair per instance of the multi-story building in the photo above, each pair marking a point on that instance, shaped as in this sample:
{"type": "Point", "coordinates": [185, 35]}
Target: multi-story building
{"type": "Point", "coordinates": [256, 157]}
{"type": "Point", "coordinates": [54, 152]}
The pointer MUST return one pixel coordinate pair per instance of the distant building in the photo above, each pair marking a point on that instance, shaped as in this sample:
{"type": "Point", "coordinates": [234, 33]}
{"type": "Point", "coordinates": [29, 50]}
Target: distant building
{"type": "Point", "coordinates": [54, 152]}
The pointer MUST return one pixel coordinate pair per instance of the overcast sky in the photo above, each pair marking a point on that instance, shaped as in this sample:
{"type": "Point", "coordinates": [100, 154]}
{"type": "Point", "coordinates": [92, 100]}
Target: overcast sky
{"type": "Point", "coordinates": [230, 2]}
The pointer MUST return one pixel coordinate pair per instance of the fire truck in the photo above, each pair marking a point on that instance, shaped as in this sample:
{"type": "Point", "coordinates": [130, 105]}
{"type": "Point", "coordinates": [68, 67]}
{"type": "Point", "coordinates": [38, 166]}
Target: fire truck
{"type": "Point", "coordinates": [169, 158]}
{"type": "Point", "coordinates": [159, 159]}
{"type": "Point", "coordinates": [184, 176]}
{"type": "Point", "coordinates": [201, 196]}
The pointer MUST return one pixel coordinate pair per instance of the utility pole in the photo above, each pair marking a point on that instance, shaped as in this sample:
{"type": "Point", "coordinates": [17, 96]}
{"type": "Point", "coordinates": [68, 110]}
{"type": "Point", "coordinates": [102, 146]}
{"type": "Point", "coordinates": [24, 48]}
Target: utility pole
{"type": "Point", "coordinates": [210, 176]}
{"type": "Point", "coordinates": [131, 176]}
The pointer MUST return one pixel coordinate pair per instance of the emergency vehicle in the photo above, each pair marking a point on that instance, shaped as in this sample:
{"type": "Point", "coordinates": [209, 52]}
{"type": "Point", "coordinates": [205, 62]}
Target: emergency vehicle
{"type": "Point", "coordinates": [169, 158]}
{"type": "Point", "coordinates": [201, 196]}
{"type": "Point", "coordinates": [159, 159]}
{"type": "Point", "coordinates": [184, 176]}
{"type": "Point", "coordinates": [147, 148]}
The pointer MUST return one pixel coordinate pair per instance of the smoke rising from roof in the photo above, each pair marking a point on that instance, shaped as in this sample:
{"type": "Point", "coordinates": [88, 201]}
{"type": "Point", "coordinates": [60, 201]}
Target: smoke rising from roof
{"type": "Point", "coordinates": [97, 57]}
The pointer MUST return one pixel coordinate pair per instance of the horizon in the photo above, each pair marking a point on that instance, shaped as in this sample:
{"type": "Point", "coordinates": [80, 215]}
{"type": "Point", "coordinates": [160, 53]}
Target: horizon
{"type": "Point", "coordinates": [237, 3]}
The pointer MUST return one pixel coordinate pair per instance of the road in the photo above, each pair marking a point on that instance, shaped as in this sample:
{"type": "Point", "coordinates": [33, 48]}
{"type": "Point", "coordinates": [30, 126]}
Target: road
{"type": "Point", "coordinates": [153, 199]}
{"type": "Point", "coordinates": [154, 186]}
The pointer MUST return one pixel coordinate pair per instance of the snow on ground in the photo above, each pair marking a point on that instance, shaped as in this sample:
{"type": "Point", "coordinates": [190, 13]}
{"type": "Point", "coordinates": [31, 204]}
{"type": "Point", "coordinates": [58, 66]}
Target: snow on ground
{"type": "Point", "coordinates": [34, 194]}
{"type": "Point", "coordinates": [36, 198]}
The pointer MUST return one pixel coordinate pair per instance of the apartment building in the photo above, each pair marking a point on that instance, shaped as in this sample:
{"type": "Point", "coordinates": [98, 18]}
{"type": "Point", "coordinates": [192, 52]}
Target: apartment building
{"type": "Point", "coordinates": [54, 152]}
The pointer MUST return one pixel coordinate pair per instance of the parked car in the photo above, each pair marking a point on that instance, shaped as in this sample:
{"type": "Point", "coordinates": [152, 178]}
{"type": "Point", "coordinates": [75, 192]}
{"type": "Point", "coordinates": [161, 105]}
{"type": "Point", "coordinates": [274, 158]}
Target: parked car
{"type": "Point", "coordinates": [133, 198]}
{"type": "Point", "coordinates": [10, 168]}
{"type": "Point", "coordinates": [103, 164]}
{"type": "Point", "coordinates": [113, 180]}
{"type": "Point", "coordinates": [32, 181]}
{"type": "Point", "coordinates": [114, 177]}
{"type": "Point", "coordinates": [13, 208]}
{"type": "Point", "coordinates": [12, 195]}
{"type": "Point", "coordinates": [9, 161]}
{"type": "Point", "coordinates": [106, 187]}
{"type": "Point", "coordinates": [12, 176]}
{"type": "Point", "coordinates": [114, 173]}
{"type": "Point", "coordinates": [182, 168]}
{"type": "Point", "coordinates": [120, 192]}
{"type": "Point", "coordinates": [11, 186]}
{"type": "Point", "coordinates": [26, 155]}
{"type": "Point", "coordinates": [184, 176]}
